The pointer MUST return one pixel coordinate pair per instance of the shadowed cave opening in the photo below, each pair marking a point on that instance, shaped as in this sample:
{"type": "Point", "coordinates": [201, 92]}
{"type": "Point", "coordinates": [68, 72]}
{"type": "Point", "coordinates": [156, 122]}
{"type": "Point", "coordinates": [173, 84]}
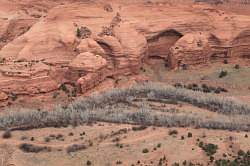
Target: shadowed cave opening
{"type": "Point", "coordinates": [108, 53]}
{"type": "Point", "coordinates": [159, 45]}
{"type": "Point", "coordinates": [158, 54]}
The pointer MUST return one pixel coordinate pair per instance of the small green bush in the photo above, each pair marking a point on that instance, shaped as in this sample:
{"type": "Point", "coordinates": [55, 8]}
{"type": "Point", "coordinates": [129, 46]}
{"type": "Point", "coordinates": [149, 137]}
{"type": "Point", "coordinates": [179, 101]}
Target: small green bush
{"type": "Point", "coordinates": [190, 135]}
{"type": "Point", "coordinates": [138, 128]}
{"type": "Point", "coordinates": [118, 162]}
{"type": "Point", "coordinates": [172, 132]}
{"type": "Point", "coordinates": [29, 148]}
{"type": "Point", "coordinates": [78, 32]}
{"type": "Point", "coordinates": [88, 162]}
{"type": "Point", "coordinates": [223, 73]}
{"type": "Point", "coordinates": [145, 150]}
{"type": "Point", "coordinates": [210, 149]}
{"type": "Point", "coordinates": [75, 147]}
{"type": "Point", "coordinates": [237, 66]}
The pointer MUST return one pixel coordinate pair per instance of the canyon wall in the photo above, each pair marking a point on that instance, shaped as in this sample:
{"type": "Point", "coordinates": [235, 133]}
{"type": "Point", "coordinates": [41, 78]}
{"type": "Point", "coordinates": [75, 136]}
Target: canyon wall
{"type": "Point", "coordinates": [48, 44]}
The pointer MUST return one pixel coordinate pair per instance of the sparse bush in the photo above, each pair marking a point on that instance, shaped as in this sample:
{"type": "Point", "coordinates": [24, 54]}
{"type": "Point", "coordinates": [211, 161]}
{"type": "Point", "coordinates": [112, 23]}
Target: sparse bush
{"type": "Point", "coordinates": [78, 32]}
{"type": "Point", "coordinates": [13, 96]}
{"type": "Point", "coordinates": [75, 148]}
{"type": "Point", "coordinates": [82, 134]}
{"type": "Point", "coordinates": [138, 128]}
{"type": "Point", "coordinates": [241, 153]}
{"type": "Point", "coordinates": [88, 162]}
{"type": "Point", "coordinates": [2, 60]}
{"type": "Point", "coordinates": [210, 149]}
{"type": "Point", "coordinates": [118, 162]}
{"type": "Point", "coordinates": [46, 139]}
{"type": "Point", "coordinates": [223, 73]}
{"type": "Point", "coordinates": [108, 8]}
{"type": "Point", "coordinates": [64, 88]}
{"type": "Point", "coordinates": [29, 148]}
{"type": "Point", "coordinates": [175, 164]}
{"type": "Point", "coordinates": [243, 159]}
{"type": "Point", "coordinates": [6, 134]}
{"type": "Point", "coordinates": [203, 88]}
{"type": "Point", "coordinates": [59, 136]}
{"type": "Point", "coordinates": [145, 150]}
{"type": "Point", "coordinates": [74, 92]}
{"type": "Point", "coordinates": [237, 66]}
{"type": "Point", "coordinates": [105, 107]}
{"type": "Point", "coordinates": [190, 135]}
{"type": "Point", "coordinates": [83, 32]}
{"type": "Point", "coordinates": [172, 132]}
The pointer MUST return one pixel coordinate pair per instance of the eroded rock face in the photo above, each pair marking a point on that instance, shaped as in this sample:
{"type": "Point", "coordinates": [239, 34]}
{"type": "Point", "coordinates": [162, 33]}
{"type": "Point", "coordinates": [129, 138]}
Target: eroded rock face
{"type": "Point", "coordinates": [3, 96]}
{"type": "Point", "coordinates": [191, 49]}
{"type": "Point", "coordinates": [46, 49]}
{"type": "Point", "coordinates": [240, 45]}
{"type": "Point", "coordinates": [88, 62]}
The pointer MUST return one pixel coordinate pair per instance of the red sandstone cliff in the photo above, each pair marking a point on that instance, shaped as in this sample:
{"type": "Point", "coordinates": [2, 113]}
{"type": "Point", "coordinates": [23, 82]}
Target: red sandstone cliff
{"type": "Point", "coordinates": [48, 43]}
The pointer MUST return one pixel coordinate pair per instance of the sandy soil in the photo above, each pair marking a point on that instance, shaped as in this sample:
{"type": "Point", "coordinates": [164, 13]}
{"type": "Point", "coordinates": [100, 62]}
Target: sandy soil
{"type": "Point", "coordinates": [106, 151]}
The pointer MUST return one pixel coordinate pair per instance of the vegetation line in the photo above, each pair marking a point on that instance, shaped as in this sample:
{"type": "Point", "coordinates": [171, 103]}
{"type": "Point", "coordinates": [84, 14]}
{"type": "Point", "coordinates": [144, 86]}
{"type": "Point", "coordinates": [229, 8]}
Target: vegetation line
{"type": "Point", "coordinates": [105, 107]}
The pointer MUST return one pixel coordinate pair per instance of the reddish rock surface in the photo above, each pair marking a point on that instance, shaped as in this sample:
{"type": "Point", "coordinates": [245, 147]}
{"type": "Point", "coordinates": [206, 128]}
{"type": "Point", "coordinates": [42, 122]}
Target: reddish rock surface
{"type": "Point", "coordinates": [46, 44]}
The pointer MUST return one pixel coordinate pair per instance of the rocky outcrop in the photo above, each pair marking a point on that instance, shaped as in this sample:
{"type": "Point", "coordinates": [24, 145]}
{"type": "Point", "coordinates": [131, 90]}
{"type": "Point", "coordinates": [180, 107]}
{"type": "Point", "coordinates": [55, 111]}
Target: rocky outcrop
{"type": "Point", "coordinates": [88, 62]}
{"type": "Point", "coordinates": [190, 50]}
{"type": "Point", "coordinates": [241, 45]}
{"type": "Point", "coordinates": [3, 96]}
{"type": "Point", "coordinates": [83, 43]}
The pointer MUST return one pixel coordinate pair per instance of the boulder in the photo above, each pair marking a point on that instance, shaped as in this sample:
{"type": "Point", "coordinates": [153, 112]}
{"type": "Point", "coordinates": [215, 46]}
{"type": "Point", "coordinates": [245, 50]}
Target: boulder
{"type": "Point", "coordinates": [88, 62]}
{"type": "Point", "coordinates": [3, 96]}
{"type": "Point", "coordinates": [191, 49]}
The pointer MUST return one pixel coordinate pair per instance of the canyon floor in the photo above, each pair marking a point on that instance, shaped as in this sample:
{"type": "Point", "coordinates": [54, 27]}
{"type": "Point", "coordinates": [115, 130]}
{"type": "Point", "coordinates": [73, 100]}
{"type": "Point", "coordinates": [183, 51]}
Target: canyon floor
{"type": "Point", "coordinates": [69, 71]}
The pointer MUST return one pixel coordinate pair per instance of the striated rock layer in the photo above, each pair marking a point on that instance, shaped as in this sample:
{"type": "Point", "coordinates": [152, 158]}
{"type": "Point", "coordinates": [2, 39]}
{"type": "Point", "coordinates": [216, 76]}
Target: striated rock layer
{"type": "Point", "coordinates": [48, 44]}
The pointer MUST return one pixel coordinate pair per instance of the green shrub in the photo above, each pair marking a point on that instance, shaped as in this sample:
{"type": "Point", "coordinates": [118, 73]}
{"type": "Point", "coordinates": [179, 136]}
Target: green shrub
{"type": "Point", "coordinates": [190, 134]}
{"type": "Point", "coordinates": [29, 148]}
{"type": "Point", "coordinates": [172, 132]}
{"type": "Point", "coordinates": [210, 149]}
{"type": "Point", "coordinates": [46, 139]}
{"type": "Point", "coordinates": [78, 32]}
{"type": "Point", "coordinates": [237, 66]}
{"type": "Point", "coordinates": [241, 153]}
{"type": "Point", "coordinates": [175, 164]}
{"type": "Point", "coordinates": [223, 74]}
{"type": "Point", "coordinates": [2, 60]}
{"type": "Point", "coordinates": [75, 147]}
{"type": "Point", "coordinates": [118, 162]}
{"type": "Point", "coordinates": [145, 150]}
{"type": "Point", "coordinates": [139, 128]}
{"type": "Point", "coordinates": [64, 88]}
{"type": "Point", "coordinates": [88, 162]}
